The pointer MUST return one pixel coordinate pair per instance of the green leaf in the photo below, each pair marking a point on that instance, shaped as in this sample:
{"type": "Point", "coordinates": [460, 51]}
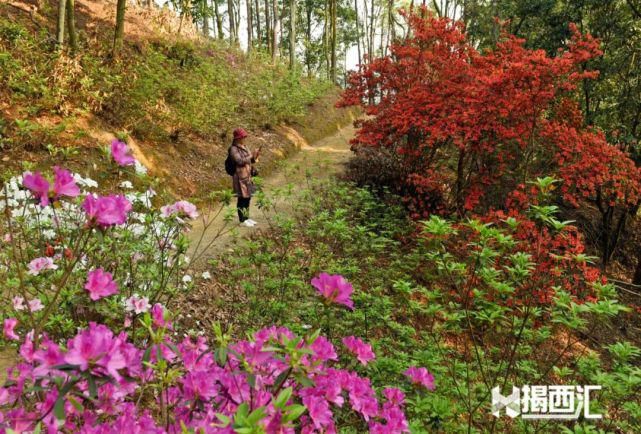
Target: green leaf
{"type": "Point", "coordinates": [224, 419]}
{"type": "Point", "coordinates": [293, 412]}
{"type": "Point", "coordinates": [283, 397]}
{"type": "Point", "coordinates": [93, 390]}
{"type": "Point", "coordinates": [59, 408]}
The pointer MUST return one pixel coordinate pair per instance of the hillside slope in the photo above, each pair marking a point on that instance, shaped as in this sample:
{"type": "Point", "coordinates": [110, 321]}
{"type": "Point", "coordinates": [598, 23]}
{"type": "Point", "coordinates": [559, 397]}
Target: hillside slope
{"type": "Point", "coordinates": [175, 98]}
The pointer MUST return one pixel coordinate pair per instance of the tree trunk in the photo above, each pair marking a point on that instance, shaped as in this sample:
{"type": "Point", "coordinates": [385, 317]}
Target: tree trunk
{"type": "Point", "coordinates": [71, 26]}
{"type": "Point", "coordinates": [372, 35]}
{"type": "Point", "coordinates": [333, 54]}
{"type": "Point", "coordinates": [206, 15]}
{"type": "Point", "coordinates": [268, 27]}
{"type": "Point", "coordinates": [119, 33]}
{"type": "Point", "coordinates": [232, 21]}
{"type": "Point", "coordinates": [237, 22]}
{"type": "Point", "coordinates": [292, 34]}
{"type": "Point", "coordinates": [259, 36]}
{"type": "Point", "coordinates": [381, 42]}
{"type": "Point", "coordinates": [326, 33]}
{"type": "Point", "coordinates": [185, 12]}
{"type": "Point", "coordinates": [308, 36]}
{"type": "Point", "coordinates": [275, 30]}
{"type": "Point", "coordinates": [358, 33]}
{"type": "Point", "coordinates": [250, 26]}
{"type": "Point", "coordinates": [391, 29]}
{"type": "Point", "coordinates": [219, 21]}
{"type": "Point", "coordinates": [60, 39]}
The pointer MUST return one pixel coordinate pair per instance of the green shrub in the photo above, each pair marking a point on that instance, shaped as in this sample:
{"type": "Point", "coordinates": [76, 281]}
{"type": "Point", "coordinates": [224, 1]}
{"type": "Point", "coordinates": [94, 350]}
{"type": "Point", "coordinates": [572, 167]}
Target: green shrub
{"type": "Point", "coordinates": [410, 303]}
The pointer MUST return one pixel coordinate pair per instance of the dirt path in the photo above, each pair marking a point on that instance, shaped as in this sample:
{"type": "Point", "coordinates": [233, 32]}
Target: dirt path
{"type": "Point", "coordinates": [213, 234]}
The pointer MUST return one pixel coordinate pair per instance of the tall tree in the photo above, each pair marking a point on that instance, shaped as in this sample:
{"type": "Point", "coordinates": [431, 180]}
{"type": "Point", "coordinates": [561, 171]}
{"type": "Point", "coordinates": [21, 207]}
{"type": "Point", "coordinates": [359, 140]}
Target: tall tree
{"type": "Point", "coordinates": [259, 35]}
{"type": "Point", "coordinates": [268, 26]}
{"type": "Point", "coordinates": [308, 36]}
{"type": "Point", "coordinates": [119, 33]}
{"type": "Point", "coordinates": [185, 12]}
{"type": "Point", "coordinates": [232, 21]}
{"type": "Point", "coordinates": [219, 20]}
{"type": "Point", "coordinates": [71, 25]}
{"type": "Point", "coordinates": [250, 25]}
{"type": "Point", "coordinates": [60, 39]}
{"type": "Point", "coordinates": [275, 30]}
{"type": "Point", "coordinates": [333, 40]}
{"type": "Point", "coordinates": [292, 34]}
{"type": "Point", "coordinates": [358, 33]}
{"type": "Point", "coordinates": [206, 15]}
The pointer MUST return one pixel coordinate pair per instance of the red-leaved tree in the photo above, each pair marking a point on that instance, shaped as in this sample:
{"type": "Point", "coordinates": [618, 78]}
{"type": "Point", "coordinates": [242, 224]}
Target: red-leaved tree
{"type": "Point", "coordinates": [473, 127]}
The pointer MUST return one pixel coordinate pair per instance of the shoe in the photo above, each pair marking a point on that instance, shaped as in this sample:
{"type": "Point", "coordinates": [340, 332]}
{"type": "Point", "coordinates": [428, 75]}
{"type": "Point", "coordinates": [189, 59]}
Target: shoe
{"type": "Point", "coordinates": [248, 224]}
{"type": "Point", "coordinates": [252, 222]}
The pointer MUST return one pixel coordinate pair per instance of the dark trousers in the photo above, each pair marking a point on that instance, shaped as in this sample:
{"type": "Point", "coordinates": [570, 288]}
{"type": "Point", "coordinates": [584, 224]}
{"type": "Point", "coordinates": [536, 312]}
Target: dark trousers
{"type": "Point", "coordinates": [243, 208]}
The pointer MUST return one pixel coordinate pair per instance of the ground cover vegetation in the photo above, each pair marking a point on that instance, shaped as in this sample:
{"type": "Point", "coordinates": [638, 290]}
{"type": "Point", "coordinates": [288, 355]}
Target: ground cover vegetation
{"type": "Point", "coordinates": [391, 304]}
{"type": "Point", "coordinates": [478, 303]}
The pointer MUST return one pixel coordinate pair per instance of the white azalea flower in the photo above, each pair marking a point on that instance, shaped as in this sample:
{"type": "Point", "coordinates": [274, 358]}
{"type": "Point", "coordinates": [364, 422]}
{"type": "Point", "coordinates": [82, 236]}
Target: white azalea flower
{"type": "Point", "coordinates": [140, 169]}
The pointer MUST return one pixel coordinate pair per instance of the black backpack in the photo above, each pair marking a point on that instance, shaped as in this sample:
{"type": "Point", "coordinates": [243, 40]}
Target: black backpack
{"type": "Point", "coordinates": [230, 166]}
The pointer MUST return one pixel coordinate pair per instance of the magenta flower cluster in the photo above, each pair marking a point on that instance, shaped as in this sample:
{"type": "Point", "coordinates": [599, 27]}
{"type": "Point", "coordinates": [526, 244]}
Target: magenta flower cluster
{"type": "Point", "coordinates": [334, 288]}
{"type": "Point", "coordinates": [97, 378]}
{"type": "Point", "coordinates": [121, 153]}
{"type": "Point", "coordinates": [106, 211]}
{"type": "Point", "coordinates": [420, 377]}
{"type": "Point", "coordinates": [102, 211]}
{"type": "Point", "coordinates": [181, 208]}
{"type": "Point", "coordinates": [45, 192]}
{"type": "Point", "coordinates": [362, 351]}
{"type": "Point", "coordinates": [100, 284]}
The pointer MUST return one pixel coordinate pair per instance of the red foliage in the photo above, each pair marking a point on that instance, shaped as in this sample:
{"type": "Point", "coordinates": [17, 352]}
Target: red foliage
{"type": "Point", "coordinates": [554, 255]}
{"type": "Point", "coordinates": [474, 126]}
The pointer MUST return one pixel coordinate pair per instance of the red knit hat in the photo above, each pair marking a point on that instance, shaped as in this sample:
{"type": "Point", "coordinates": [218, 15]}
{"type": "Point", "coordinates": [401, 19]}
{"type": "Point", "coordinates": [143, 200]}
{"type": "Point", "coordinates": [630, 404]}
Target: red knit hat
{"type": "Point", "coordinates": [240, 133]}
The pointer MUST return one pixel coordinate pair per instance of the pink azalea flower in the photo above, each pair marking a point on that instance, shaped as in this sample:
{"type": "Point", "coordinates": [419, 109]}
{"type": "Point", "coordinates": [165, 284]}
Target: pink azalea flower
{"type": "Point", "coordinates": [40, 264]}
{"type": "Point", "coordinates": [48, 356]}
{"type": "Point", "coordinates": [120, 153]}
{"type": "Point", "coordinates": [180, 207]}
{"type": "Point", "coordinates": [8, 330]}
{"type": "Point", "coordinates": [420, 377]}
{"type": "Point", "coordinates": [334, 288]}
{"type": "Point", "coordinates": [137, 305]}
{"type": "Point", "coordinates": [158, 316]}
{"type": "Point", "coordinates": [361, 395]}
{"type": "Point", "coordinates": [96, 347]}
{"type": "Point", "coordinates": [35, 305]}
{"type": "Point", "coordinates": [38, 186]}
{"type": "Point", "coordinates": [199, 385]}
{"type": "Point", "coordinates": [319, 411]}
{"type": "Point", "coordinates": [27, 348]}
{"type": "Point", "coordinates": [323, 349]}
{"type": "Point", "coordinates": [18, 303]}
{"type": "Point", "coordinates": [106, 210]}
{"type": "Point", "coordinates": [394, 396]}
{"type": "Point", "coordinates": [360, 349]}
{"type": "Point", "coordinates": [100, 284]}
{"type": "Point", "coordinates": [64, 184]}
{"type": "Point", "coordinates": [395, 422]}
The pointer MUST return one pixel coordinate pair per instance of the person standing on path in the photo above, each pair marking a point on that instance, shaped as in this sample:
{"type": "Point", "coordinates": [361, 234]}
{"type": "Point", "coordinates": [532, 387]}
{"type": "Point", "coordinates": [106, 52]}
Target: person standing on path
{"type": "Point", "coordinates": [243, 159]}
